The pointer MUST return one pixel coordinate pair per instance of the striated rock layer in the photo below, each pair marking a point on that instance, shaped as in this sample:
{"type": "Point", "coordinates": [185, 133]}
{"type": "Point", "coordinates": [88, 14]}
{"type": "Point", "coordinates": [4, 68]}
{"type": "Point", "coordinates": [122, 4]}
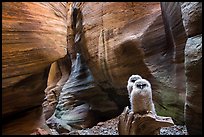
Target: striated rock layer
{"type": "Point", "coordinates": [33, 37]}
{"type": "Point", "coordinates": [107, 42]}
{"type": "Point", "coordinates": [175, 75]}
{"type": "Point", "coordinates": [81, 103]}
{"type": "Point", "coordinates": [131, 39]}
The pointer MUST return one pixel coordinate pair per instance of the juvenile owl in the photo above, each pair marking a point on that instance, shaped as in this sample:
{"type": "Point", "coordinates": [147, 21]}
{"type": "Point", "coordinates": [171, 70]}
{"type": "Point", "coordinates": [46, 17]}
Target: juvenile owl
{"type": "Point", "coordinates": [141, 97]}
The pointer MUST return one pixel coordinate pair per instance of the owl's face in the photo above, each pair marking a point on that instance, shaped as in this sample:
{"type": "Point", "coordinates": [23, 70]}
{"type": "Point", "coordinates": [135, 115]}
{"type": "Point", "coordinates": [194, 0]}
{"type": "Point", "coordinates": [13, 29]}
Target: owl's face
{"type": "Point", "coordinates": [131, 81]}
{"type": "Point", "coordinates": [142, 86]}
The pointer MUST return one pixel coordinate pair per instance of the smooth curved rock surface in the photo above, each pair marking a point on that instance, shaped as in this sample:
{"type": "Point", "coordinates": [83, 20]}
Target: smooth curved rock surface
{"type": "Point", "coordinates": [175, 76]}
{"type": "Point", "coordinates": [33, 37]}
{"type": "Point", "coordinates": [81, 102]}
{"type": "Point", "coordinates": [132, 39]}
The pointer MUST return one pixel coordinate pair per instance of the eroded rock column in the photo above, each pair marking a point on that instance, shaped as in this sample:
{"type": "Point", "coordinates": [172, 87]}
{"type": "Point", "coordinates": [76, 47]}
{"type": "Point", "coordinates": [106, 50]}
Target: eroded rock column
{"type": "Point", "coordinates": [192, 20]}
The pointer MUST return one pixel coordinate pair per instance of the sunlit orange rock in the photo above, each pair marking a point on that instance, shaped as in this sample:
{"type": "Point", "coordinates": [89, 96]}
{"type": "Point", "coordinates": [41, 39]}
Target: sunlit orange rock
{"type": "Point", "coordinates": [33, 37]}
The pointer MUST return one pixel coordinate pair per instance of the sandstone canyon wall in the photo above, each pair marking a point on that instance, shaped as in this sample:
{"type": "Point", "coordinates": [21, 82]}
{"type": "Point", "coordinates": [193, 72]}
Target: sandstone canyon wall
{"type": "Point", "coordinates": [176, 39]}
{"type": "Point", "coordinates": [131, 39]}
{"type": "Point", "coordinates": [192, 20]}
{"type": "Point", "coordinates": [33, 37]}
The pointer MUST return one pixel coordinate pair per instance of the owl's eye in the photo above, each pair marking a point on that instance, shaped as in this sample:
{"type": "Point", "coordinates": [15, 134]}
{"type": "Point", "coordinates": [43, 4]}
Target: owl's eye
{"type": "Point", "coordinates": [141, 86]}
{"type": "Point", "coordinates": [133, 80]}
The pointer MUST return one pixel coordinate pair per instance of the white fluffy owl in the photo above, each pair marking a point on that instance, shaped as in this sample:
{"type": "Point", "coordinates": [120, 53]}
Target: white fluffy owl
{"type": "Point", "coordinates": [140, 95]}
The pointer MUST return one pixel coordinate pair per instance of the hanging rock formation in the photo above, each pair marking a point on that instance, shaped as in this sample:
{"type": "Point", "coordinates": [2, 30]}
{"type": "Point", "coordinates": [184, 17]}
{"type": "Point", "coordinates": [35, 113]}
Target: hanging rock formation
{"type": "Point", "coordinates": [80, 101]}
